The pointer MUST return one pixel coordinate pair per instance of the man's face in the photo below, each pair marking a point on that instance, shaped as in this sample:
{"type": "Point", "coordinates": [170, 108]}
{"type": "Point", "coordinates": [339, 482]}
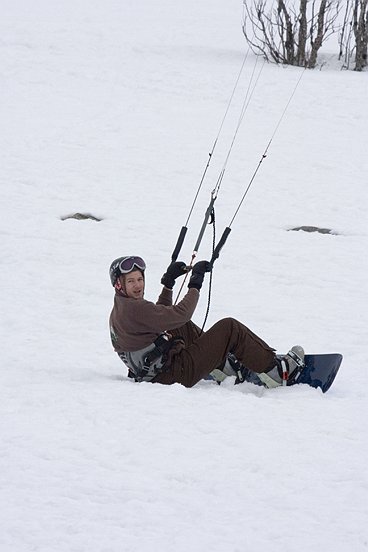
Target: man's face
{"type": "Point", "coordinates": [134, 284]}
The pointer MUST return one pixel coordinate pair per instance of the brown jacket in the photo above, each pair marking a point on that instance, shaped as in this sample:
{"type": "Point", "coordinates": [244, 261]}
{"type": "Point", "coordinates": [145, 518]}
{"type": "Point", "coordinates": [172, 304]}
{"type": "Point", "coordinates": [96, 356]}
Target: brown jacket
{"type": "Point", "coordinates": [136, 323]}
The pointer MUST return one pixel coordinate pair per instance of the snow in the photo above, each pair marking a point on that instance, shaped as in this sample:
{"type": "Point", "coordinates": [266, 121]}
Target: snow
{"type": "Point", "coordinates": [111, 108]}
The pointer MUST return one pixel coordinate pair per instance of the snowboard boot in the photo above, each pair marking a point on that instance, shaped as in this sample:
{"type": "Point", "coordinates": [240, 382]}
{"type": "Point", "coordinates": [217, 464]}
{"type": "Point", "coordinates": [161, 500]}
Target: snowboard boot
{"type": "Point", "coordinates": [222, 372]}
{"type": "Point", "coordinates": [239, 370]}
{"type": "Point", "coordinates": [286, 370]}
{"type": "Point", "coordinates": [231, 367]}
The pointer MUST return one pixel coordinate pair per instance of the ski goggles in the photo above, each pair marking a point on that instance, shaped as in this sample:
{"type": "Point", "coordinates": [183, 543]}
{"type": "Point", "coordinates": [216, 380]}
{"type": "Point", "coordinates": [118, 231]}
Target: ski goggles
{"type": "Point", "coordinates": [128, 263]}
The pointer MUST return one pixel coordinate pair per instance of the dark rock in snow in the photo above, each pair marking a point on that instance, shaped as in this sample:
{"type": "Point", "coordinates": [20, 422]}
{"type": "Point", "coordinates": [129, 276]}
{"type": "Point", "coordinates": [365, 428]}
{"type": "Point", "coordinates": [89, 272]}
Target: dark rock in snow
{"type": "Point", "coordinates": [314, 229]}
{"type": "Point", "coordinates": [81, 216]}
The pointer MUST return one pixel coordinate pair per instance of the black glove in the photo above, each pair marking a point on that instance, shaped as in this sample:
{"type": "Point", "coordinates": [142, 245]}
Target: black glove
{"type": "Point", "coordinates": [173, 271]}
{"type": "Point", "coordinates": [198, 272]}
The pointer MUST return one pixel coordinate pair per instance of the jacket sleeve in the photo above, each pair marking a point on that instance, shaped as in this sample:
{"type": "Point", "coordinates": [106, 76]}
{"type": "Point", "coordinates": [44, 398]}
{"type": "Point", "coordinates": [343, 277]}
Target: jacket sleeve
{"type": "Point", "coordinates": [151, 317]}
{"type": "Point", "coordinates": [165, 297]}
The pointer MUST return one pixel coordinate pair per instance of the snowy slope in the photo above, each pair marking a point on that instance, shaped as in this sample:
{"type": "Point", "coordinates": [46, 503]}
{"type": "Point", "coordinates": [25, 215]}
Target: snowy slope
{"type": "Point", "coordinates": [111, 108]}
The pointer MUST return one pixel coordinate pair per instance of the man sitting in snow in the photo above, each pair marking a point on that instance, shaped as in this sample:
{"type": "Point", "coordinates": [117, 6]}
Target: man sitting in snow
{"type": "Point", "coordinates": [159, 343]}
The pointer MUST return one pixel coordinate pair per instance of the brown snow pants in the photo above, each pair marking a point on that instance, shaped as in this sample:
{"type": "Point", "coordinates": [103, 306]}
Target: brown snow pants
{"type": "Point", "coordinates": [203, 353]}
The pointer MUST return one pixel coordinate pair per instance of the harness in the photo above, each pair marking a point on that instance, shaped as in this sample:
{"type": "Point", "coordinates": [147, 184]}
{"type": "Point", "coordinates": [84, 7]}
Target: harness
{"type": "Point", "coordinates": [145, 364]}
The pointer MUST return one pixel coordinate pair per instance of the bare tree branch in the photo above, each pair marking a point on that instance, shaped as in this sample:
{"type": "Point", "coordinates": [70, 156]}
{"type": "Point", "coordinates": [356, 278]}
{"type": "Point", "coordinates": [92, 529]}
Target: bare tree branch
{"type": "Point", "coordinates": [282, 34]}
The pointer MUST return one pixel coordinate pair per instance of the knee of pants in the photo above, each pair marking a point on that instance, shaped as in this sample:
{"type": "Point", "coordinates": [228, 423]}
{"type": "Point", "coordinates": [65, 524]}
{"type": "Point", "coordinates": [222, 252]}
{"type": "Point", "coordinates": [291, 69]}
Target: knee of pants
{"type": "Point", "coordinates": [227, 323]}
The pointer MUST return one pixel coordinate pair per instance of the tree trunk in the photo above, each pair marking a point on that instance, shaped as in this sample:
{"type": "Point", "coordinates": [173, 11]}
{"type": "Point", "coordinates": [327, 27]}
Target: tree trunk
{"type": "Point", "coordinates": [302, 41]}
{"type": "Point", "coordinates": [317, 42]}
{"type": "Point", "coordinates": [360, 25]}
{"type": "Point", "coordinates": [289, 38]}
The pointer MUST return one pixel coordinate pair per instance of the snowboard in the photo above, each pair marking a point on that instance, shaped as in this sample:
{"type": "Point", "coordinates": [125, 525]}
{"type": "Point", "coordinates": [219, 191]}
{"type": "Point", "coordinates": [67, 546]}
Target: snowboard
{"type": "Point", "coordinates": [319, 371]}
